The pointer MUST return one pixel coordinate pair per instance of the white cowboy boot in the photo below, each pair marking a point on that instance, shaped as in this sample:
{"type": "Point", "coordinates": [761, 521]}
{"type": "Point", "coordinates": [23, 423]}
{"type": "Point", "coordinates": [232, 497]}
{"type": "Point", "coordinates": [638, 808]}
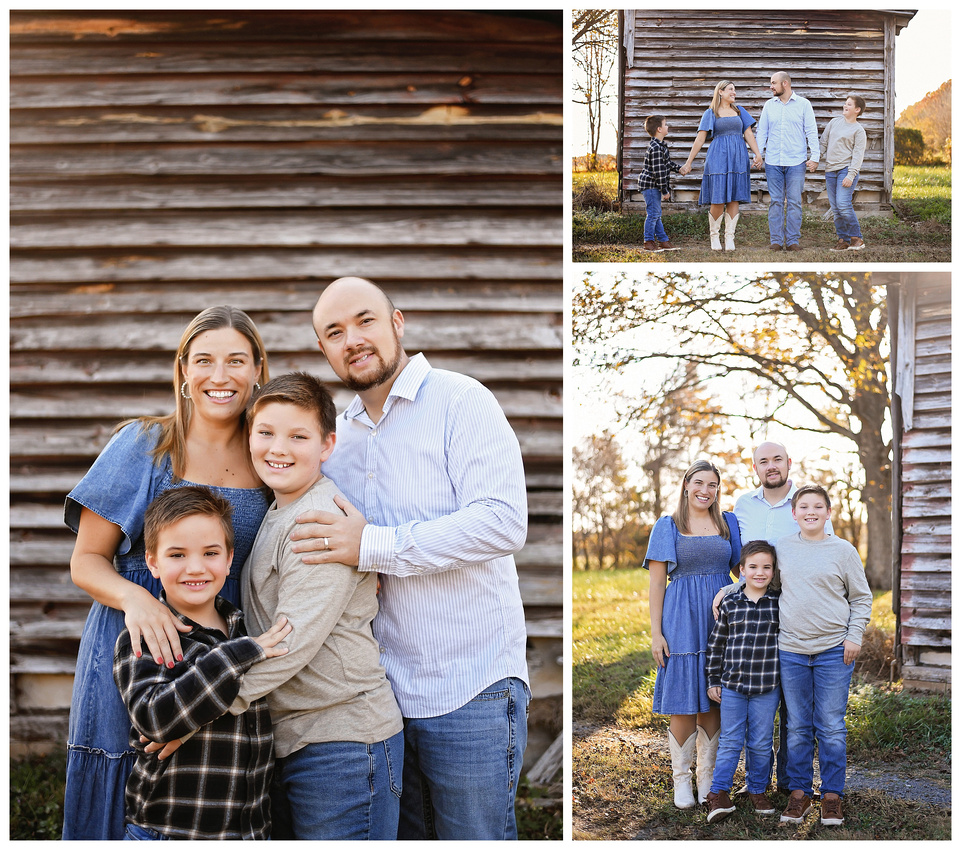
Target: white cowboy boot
{"type": "Point", "coordinates": [715, 226]}
{"type": "Point", "coordinates": [682, 758]}
{"type": "Point", "coordinates": [706, 755]}
{"type": "Point", "coordinates": [730, 223]}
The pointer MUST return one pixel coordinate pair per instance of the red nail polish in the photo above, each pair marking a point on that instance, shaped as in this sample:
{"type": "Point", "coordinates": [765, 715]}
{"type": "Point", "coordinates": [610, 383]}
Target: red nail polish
{"type": "Point", "coordinates": [160, 661]}
{"type": "Point", "coordinates": [180, 658]}
{"type": "Point", "coordinates": [171, 664]}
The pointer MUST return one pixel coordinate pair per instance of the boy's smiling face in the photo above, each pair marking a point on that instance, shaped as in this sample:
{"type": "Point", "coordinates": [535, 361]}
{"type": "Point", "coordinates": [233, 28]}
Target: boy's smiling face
{"type": "Point", "coordinates": [758, 570]}
{"type": "Point", "coordinates": [288, 446]}
{"type": "Point", "coordinates": [192, 562]}
{"type": "Point", "coordinates": [811, 513]}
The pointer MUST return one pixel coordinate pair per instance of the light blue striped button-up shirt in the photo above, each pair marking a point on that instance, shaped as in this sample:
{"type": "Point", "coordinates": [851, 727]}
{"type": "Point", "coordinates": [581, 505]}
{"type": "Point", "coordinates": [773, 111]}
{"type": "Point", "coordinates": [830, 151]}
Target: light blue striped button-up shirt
{"type": "Point", "coordinates": [441, 482]}
{"type": "Point", "coordinates": [786, 131]}
{"type": "Point", "coordinates": [758, 519]}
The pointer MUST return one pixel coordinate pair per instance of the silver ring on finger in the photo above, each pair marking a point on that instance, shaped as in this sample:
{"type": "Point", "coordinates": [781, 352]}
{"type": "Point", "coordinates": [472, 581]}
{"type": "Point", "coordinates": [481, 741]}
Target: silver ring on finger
{"type": "Point", "coordinates": [326, 542]}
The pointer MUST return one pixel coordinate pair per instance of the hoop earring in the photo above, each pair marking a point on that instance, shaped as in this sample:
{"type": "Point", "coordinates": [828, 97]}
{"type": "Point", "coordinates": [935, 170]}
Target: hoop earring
{"type": "Point", "coordinates": [183, 388]}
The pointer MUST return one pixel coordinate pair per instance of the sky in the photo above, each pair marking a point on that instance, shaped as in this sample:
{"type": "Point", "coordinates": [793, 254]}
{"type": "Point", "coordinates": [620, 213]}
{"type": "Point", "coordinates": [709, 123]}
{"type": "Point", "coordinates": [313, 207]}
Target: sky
{"type": "Point", "coordinates": [922, 63]}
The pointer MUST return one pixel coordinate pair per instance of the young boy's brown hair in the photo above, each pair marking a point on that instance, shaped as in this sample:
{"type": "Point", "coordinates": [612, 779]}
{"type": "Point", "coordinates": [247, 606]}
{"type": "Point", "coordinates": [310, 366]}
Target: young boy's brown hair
{"type": "Point", "coordinates": [302, 390]}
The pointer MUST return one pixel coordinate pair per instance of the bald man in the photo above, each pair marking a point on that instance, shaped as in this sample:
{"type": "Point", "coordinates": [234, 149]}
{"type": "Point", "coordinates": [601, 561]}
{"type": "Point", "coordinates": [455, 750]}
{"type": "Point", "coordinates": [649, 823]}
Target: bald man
{"type": "Point", "coordinates": [437, 506]}
{"type": "Point", "coordinates": [786, 132]}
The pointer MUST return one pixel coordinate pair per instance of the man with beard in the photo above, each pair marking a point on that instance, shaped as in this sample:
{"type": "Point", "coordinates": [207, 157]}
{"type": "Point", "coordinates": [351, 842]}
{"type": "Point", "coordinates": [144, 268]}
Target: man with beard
{"type": "Point", "coordinates": [785, 132]}
{"type": "Point", "coordinates": [765, 514]}
{"type": "Point", "coordinates": [435, 472]}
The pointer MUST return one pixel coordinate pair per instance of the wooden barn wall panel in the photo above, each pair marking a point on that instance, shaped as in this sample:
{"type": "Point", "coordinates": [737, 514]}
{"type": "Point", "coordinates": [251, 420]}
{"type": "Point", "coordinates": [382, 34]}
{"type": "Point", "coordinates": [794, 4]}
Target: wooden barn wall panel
{"type": "Point", "coordinates": [162, 162]}
{"type": "Point", "coordinates": [679, 56]}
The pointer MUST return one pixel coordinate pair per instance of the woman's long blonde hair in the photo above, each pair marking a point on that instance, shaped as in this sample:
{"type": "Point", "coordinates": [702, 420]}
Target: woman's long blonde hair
{"type": "Point", "coordinates": [173, 426]}
{"type": "Point", "coordinates": [680, 516]}
{"type": "Point", "coordinates": [716, 100]}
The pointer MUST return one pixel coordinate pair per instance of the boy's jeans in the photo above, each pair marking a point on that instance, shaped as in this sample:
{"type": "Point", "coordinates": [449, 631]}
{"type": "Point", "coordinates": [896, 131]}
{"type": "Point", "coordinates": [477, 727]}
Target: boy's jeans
{"type": "Point", "coordinates": [746, 721]}
{"type": "Point", "coordinates": [816, 689]}
{"type": "Point", "coordinates": [462, 769]}
{"type": "Point", "coordinates": [653, 226]}
{"type": "Point", "coordinates": [841, 200]}
{"type": "Point", "coordinates": [784, 184]}
{"type": "Point", "coordinates": [339, 790]}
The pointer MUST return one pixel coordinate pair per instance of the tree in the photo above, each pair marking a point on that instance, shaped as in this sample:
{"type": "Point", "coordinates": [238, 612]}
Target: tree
{"type": "Point", "coordinates": [595, 52]}
{"type": "Point", "coordinates": [816, 341]}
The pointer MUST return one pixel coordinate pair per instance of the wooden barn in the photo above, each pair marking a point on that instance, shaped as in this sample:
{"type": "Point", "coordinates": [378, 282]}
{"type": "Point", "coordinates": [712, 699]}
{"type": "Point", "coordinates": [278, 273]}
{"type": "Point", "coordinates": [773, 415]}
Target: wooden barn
{"type": "Point", "coordinates": [671, 60]}
{"type": "Point", "coordinates": [166, 161]}
{"type": "Point", "coordinates": [919, 306]}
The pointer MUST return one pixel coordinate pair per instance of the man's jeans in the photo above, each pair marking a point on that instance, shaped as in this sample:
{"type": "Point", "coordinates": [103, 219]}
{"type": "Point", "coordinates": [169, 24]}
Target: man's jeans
{"type": "Point", "coordinates": [748, 722]}
{"type": "Point", "coordinates": [653, 226]}
{"type": "Point", "coordinates": [461, 769]}
{"type": "Point", "coordinates": [784, 184]}
{"type": "Point", "coordinates": [339, 790]}
{"type": "Point", "coordinates": [816, 689]}
{"type": "Point", "coordinates": [841, 199]}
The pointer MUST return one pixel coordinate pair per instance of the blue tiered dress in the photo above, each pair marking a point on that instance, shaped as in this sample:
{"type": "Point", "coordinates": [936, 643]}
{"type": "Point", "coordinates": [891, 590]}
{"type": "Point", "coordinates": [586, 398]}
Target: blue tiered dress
{"type": "Point", "coordinates": [119, 486]}
{"type": "Point", "coordinates": [698, 567]}
{"type": "Point", "coordinates": [727, 170]}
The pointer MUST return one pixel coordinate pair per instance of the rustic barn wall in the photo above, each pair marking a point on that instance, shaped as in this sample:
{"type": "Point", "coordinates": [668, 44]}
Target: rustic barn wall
{"type": "Point", "coordinates": [672, 60]}
{"type": "Point", "coordinates": [166, 161]}
{"type": "Point", "coordinates": [922, 384]}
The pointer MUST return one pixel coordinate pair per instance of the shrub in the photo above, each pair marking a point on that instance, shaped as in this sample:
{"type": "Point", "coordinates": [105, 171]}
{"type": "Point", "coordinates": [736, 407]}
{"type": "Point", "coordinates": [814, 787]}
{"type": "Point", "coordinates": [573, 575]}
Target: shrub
{"type": "Point", "coordinates": [908, 146]}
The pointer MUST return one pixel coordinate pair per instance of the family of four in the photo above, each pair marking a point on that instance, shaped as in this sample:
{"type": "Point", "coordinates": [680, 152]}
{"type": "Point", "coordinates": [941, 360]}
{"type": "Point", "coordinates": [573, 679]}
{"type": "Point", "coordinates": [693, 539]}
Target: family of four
{"type": "Point", "coordinates": [786, 145]}
{"type": "Point", "coordinates": [385, 692]}
{"type": "Point", "coordinates": [784, 641]}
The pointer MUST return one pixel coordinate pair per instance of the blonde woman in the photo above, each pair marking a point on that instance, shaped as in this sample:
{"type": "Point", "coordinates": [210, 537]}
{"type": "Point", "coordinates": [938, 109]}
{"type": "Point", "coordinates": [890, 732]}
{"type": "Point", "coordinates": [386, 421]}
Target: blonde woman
{"type": "Point", "coordinates": [727, 170]}
{"type": "Point", "coordinates": [698, 549]}
{"type": "Point", "coordinates": [204, 440]}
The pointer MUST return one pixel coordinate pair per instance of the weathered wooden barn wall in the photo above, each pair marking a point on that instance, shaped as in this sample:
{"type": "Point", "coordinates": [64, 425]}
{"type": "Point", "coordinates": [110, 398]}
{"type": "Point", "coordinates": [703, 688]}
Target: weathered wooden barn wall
{"type": "Point", "coordinates": [921, 326]}
{"type": "Point", "coordinates": [671, 60]}
{"type": "Point", "coordinates": [166, 161]}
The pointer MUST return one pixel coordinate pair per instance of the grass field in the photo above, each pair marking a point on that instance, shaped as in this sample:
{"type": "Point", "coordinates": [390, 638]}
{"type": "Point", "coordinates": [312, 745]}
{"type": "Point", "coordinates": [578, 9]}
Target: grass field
{"type": "Point", "coordinates": [918, 231]}
{"type": "Point", "coordinates": [621, 771]}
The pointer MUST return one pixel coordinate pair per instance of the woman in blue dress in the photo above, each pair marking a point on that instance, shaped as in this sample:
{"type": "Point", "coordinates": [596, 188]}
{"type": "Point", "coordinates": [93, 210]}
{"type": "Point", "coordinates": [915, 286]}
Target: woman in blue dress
{"type": "Point", "coordinates": [727, 170]}
{"type": "Point", "coordinates": [219, 361]}
{"type": "Point", "coordinates": [698, 548]}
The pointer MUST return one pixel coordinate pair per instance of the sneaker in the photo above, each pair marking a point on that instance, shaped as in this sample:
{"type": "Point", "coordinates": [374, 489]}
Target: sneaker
{"type": "Point", "coordinates": [762, 805]}
{"type": "Point", "coordinates": [798, 805]}
{"type": "Point", "coordinates": [666, 246]}
{"type": "Point", "coordinates": [856, 244]}
{"type": "Point", "coordinates": [831, 814]}
{"type": "Point", "coordinates": [794, 247]}
{"type": "Point", "coordinates": [841, 246]}
{"type": "Point", "coordinates": [651, 246]}
{"type": "Point", "coordinates": [719, 806]}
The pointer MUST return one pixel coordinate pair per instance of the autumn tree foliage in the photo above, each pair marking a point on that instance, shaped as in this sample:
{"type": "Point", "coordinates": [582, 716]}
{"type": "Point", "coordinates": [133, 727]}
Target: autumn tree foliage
{"type": "Point", "coordinates": [931, 116]}
{"type": "Point", "coordinates": [817, 341]}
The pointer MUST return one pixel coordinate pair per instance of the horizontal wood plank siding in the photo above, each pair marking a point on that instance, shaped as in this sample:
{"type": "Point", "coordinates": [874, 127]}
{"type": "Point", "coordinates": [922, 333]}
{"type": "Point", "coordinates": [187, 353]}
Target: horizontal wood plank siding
{"type": "Point", "coordinates": [679, 56]}
{"type": "Point", "coordinates": [162, 162]}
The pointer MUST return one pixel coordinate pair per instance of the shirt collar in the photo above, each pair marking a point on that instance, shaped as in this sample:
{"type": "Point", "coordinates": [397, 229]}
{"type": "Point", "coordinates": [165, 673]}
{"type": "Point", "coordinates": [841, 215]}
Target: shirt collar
{"type": "Point", "coordinates": [406, 385]}
{"type": "Point", "coordinates": [759, 495]}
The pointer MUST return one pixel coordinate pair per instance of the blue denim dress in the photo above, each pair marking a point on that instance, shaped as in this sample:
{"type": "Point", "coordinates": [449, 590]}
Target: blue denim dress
{"type": "Point", "coordinates": [121, 483]}
{"type": "Point", "coordinates": [698, 567]}
{"type": "Point", "coordinates": [727, 169]}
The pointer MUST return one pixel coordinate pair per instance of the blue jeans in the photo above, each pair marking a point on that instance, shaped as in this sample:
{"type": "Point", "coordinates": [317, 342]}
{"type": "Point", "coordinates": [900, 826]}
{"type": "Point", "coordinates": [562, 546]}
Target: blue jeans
{"type": "Point", "coordinates": [339, 790]}
{"type": "Point", "coordinates": [841, 199]}
{"type": "Point", "coordinates": [461, 769]}
{"type": "Point", "coordinates": [142, 833]}
{"type": "Point", "coordinates": [784, 184]}
{"type": "Point", "coordinates": [782, 748]}
{"type": "Point", "coordinates": [816, 689]}
{"type": "Point", "coordinates": [653, 226]}
{"type": "Point", "coordinates": [748, 722]}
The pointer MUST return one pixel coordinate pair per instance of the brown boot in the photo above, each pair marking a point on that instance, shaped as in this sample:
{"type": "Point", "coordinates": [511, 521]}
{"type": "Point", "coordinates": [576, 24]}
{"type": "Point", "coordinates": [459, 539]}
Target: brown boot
{"type": "Point", "coordinates": [798, 805]}
{"type": "Point", "coordinates": [762, 805]}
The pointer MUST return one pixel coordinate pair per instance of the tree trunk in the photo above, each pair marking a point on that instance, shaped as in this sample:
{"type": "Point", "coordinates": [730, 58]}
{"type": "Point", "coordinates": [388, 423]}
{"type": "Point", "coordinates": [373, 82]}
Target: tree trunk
{"type": "Point", "coordinates": [876, 495]}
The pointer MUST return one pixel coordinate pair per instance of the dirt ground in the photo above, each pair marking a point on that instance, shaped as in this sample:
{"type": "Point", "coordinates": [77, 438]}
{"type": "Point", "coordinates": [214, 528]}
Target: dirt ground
{"type": "Point", "coordinates": [868, 781]}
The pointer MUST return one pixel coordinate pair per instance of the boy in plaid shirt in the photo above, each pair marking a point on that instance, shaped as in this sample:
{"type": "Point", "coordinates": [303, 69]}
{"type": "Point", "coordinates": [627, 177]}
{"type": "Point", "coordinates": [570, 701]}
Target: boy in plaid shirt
{"type": "Point", "coordinates": [654, 183]}
{"type": "Point", "coordinates": [216, 785]}
{"type": "Point", "coordinates": [742, 675]}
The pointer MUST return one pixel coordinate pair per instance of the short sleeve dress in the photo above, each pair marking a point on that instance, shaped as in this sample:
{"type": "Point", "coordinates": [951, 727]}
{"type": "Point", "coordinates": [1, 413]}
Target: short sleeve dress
{"type": "Point", "coordinates": [698, 567]}
{"type": "Point", "coordinates": [121, 483]}
{"type": "Point", "coordinates": [727, 170]}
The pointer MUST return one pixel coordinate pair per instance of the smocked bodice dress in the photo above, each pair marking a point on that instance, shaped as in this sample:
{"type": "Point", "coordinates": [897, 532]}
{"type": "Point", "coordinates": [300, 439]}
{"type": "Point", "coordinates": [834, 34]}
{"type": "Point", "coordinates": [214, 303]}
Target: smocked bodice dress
{"type": "Point", "coordinates": [698, 567]}
{"type": "Point", "coordinates": [727, 169]}
{"type": "Point", "coordinates": [119, 486]}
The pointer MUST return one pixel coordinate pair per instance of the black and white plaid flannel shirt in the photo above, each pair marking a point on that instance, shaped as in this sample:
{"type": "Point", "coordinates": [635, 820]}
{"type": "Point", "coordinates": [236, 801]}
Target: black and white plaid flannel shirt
{"type": "Point", "coordinates": [216, 785]}
{"type": "Point", "coordinates": [658, 166]}
{"type": "Point", "coordinates": [742, 651]}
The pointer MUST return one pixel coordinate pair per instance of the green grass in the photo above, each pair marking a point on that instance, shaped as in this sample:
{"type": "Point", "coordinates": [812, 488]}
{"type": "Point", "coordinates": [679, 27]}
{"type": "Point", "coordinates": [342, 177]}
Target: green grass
{"type": "Point", "coordinates": [922, 193]}
{"type": "Point", "coordinates": [621, 772]}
